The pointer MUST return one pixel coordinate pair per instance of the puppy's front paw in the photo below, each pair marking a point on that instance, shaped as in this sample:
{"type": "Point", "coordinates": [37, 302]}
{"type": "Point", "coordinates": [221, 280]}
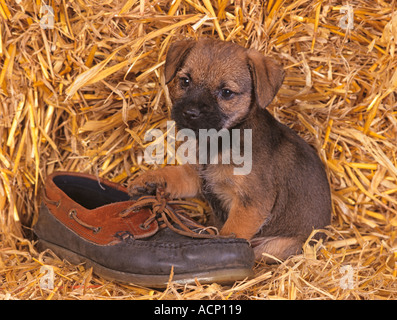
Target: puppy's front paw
{"type": "Point", "coordinates": [146, 184]}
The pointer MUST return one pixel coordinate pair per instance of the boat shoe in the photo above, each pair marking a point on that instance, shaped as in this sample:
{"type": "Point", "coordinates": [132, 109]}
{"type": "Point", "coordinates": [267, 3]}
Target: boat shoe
{"type": "Point", "coordinates": [146, 241]}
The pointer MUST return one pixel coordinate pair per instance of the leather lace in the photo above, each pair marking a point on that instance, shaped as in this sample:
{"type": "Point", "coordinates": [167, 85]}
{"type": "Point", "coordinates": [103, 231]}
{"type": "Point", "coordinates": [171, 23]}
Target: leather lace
{"type": "Point", "coordinates": [169, 213]}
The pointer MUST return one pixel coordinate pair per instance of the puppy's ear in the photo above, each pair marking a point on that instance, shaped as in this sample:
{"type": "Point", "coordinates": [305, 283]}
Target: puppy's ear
{"type": "Point", "coordinates": [267, 77]}
{"type": "Point", "coordinates": [175, 57]}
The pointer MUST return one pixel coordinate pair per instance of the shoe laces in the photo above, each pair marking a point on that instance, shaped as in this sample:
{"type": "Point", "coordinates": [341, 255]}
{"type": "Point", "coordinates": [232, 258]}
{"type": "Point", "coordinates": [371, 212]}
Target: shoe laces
{"type": "Point", "coordinates": [170, 213]}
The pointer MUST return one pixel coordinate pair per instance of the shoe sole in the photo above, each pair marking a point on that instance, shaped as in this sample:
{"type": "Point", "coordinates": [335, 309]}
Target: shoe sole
{"type": "Point", "coordinates": [223, 277]}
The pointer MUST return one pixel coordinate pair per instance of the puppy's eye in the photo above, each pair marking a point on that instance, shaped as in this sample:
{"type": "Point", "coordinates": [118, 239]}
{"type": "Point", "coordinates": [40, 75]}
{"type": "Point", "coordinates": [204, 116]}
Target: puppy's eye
{"type": "Point", "coordinates": [184, 81]}
{"type": "Point", "coordinates": [227, 93]}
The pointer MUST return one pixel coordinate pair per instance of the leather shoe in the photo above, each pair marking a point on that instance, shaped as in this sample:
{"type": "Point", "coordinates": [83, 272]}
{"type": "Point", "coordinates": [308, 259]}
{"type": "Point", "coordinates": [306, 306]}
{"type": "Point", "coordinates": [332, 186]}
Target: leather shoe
{"type": "Point", "coordinates": [88, 219]}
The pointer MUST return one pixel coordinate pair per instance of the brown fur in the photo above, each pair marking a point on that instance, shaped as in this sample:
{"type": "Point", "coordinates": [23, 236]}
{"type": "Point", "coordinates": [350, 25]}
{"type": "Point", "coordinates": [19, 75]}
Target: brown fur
{"type": "Point", "coordinates": [286, 194]}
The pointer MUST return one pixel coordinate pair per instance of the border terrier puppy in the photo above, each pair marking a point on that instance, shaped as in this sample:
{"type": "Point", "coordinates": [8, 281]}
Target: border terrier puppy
{"type": "Point", "coordinates": [221, 85]}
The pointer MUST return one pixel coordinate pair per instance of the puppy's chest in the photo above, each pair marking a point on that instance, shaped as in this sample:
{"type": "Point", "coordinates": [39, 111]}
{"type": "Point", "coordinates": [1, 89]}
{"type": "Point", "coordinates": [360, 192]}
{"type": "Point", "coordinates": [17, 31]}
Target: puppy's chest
{"type": "Point", "coordinates": [218, 187]}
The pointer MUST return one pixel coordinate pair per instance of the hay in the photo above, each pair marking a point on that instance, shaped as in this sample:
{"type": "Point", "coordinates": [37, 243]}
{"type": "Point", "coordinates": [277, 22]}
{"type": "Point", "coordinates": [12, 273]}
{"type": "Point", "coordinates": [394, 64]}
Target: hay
{"type": "Point", "coordinates": [81, 96]}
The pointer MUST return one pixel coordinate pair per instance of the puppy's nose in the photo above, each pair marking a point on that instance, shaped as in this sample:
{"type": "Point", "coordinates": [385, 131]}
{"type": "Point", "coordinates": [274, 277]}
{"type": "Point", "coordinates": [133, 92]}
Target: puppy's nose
{"type": "Point", "coordinates": [191, 113]}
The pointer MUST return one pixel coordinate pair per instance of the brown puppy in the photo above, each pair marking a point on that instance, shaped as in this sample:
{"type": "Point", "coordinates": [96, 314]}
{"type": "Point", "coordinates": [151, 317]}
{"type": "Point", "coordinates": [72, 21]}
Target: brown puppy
{"type": "Point", "coordinates": [286, 194]}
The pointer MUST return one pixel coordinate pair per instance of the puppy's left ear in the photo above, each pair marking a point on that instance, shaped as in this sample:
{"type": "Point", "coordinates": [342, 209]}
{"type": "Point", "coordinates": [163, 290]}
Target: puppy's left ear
{"type": "Point", "coordinates": [267, 77]}
{"type": "Point", "coordinates": [176, 55]}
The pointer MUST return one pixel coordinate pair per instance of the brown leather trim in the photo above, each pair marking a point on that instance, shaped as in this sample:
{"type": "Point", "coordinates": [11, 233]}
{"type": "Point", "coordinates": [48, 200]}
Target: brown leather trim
{"type": "Point", "coordinates": [106, 219]}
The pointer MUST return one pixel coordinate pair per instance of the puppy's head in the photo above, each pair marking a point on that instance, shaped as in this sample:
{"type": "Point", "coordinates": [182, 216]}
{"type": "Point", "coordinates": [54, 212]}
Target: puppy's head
{"type": "Point", "coordinates": [215, 84]}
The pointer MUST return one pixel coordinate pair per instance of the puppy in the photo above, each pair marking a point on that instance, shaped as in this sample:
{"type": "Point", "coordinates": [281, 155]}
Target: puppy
{"type": "Point", "coordinates": [221, 85]}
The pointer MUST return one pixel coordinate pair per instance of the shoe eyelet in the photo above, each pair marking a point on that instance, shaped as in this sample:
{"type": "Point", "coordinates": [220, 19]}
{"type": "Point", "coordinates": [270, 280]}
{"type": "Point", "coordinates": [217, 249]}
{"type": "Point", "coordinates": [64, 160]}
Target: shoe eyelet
{"type": "Point", "coordinates": [72, 213]}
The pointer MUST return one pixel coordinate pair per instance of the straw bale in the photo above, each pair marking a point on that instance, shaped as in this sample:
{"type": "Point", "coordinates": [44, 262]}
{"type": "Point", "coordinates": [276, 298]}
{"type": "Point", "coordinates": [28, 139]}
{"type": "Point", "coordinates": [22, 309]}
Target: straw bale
{"type": "Point", "coordinates": [81, 95]}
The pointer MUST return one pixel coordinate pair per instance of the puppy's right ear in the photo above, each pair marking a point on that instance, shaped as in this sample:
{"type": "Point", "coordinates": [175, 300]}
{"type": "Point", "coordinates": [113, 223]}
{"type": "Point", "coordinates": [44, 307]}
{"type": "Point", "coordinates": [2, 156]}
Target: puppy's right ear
{"type": "Point", "coordinates": [176, 55]}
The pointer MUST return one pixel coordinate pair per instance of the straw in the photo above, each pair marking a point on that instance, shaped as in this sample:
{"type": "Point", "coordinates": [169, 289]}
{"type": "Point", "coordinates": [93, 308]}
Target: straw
{"type": "Point", "coordinates": [81, 93]}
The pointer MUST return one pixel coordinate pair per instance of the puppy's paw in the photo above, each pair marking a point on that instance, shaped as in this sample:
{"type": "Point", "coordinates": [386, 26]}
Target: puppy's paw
{"type": "Point", "coordinates": [146, 184]}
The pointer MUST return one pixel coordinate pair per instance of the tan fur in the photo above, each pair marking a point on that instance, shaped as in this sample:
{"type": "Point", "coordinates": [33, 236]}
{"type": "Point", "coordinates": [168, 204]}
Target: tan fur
{"type": "Point", "coordinates": [270, 205]}
{"type": "Point", "coordinates": [233, 71]}
{"type": "Point", "coordinates": [179, 182]}
{"type": "Point", "coordinates": [279, 247]}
